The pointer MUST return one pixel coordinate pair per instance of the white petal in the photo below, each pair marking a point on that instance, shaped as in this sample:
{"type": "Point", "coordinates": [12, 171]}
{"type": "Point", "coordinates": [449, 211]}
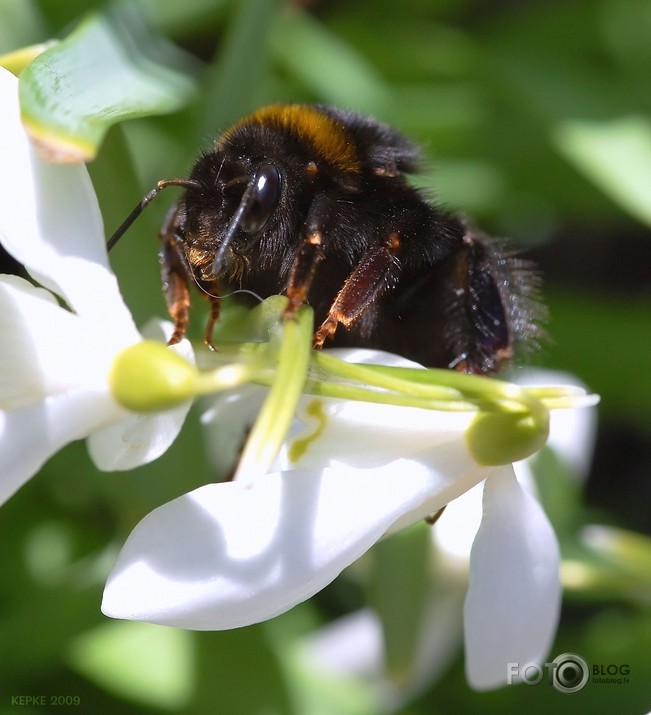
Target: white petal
{"type": "Point", "coordinates": [46, 349]}
{"type": "Point", "coordinates": [50, 221]}
{"type": "Point", "coordinates": [227, 422]}
{"type": "Point", "coordinates": [372, 357]}
{"type": "Point", "coordinates": [30, 436]}
{"type": "Point", "coordinates": [346, 433]}
{"type": "Point", "coordinates": [135, 440]}
{"type": "Point", "coordinates": [335, 432]}
{"type": "Point", "coordinates": [140, 438]}
{"type": "Point", "coordinates": [235, 553]}
{"type": "Point", "coordinates": [232, 414]}
{"type": "Point", "coordinates": [512, 607]}
{"type": "Point", "coordinates": [455, 531]}
{"type": "Point", "coordinates": [162, 330]}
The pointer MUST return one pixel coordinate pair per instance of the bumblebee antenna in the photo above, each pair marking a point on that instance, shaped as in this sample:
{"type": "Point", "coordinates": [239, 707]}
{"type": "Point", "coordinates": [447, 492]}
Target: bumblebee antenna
{"type": "Point", "coordinates": [122, 229]}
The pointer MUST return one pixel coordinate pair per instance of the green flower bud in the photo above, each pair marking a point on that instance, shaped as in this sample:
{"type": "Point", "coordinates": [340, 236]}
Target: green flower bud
{"type": "Point", "coordinates": [148, 377]}
{"type": "Point", "coordinates": [503, 437]}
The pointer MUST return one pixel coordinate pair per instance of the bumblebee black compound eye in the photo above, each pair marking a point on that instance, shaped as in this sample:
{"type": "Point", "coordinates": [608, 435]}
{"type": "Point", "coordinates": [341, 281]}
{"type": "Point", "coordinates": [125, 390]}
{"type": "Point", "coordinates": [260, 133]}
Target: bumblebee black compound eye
{"type": "Point", "coordinates": [265, 195]}
{"type": "Point", "coordinates": [258, 202]}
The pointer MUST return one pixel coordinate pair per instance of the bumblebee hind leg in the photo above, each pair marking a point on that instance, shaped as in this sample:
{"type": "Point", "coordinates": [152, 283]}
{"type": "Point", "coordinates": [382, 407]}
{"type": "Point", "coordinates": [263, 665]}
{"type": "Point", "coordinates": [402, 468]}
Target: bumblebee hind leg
{"type": "Point", "coordinates": [492, 305]}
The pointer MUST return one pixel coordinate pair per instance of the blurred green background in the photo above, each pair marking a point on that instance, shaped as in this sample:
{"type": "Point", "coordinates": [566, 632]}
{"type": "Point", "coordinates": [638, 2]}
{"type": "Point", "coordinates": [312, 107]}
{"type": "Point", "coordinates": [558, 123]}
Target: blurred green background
{"type": "Point", "coordinates": [535, 119]}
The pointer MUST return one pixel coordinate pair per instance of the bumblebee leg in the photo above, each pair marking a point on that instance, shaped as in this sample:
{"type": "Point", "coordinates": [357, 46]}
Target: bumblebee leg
{"type": "Point", "coordinates": [211, 290]}
{"type": "Point", "coordinates": [308, 255]}
{"type": "Point", "coordinates": [174, 274]}
{"type": "Point", "coordinates": [480, 325]}
{"type": "Point", "coordinates": [376, 273]}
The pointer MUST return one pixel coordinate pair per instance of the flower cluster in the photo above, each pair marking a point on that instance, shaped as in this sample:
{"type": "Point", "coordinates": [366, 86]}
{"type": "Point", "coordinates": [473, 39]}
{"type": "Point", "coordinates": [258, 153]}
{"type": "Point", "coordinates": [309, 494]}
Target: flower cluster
{"type": "Point", "coordinates": [231, 554]}
{"type": "Point", "coordinates": [238, 552]}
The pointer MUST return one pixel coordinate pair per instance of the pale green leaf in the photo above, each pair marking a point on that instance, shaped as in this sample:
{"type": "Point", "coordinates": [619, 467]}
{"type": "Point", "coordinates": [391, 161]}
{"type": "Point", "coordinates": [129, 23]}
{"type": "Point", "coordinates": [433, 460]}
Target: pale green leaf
{"type": "Point", "coordinates": [398, 594]}
{"type": "Point", "coordinates": [20, 24]}
{"type": "Point", "coordinates": [237, 79]}
{"type": "Point", "coordinates": [148, 664]}
{"type": "Point", "coordinates": [614, 155]}
{"type": "Point", "coordinates": [111, 68]}
{"type": "Point", "coordinates": [327, 66]}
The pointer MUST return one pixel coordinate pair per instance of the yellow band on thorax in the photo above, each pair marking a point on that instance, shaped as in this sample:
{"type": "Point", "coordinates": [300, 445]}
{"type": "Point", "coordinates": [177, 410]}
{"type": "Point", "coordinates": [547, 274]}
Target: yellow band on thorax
{"type": "Point", "coordinates": [326, 135]}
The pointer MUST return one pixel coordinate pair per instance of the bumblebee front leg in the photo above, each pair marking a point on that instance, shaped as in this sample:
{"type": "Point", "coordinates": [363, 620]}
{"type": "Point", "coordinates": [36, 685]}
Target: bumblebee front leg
{"type": "Point", "coordinates": [211, 290]}
{"type": "Point", "coordinates": [376, 273]}
{"type": "Point", "coordinates": [174, 274]}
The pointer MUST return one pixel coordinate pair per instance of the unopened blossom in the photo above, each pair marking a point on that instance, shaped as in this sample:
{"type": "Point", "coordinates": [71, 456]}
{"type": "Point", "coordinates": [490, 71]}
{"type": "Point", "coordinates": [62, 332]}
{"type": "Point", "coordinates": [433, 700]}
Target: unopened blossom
{"type": "Point", "coordinates": [56, 360]}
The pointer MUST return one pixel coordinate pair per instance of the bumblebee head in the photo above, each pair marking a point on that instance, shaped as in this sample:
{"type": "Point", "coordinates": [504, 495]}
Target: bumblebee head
{"type": "Point", "coordinates": [229, 203]}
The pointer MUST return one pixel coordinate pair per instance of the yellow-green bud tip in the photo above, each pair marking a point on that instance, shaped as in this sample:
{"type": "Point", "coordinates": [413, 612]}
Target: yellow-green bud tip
{"type": "Point", "coordinates": [504, 437]}
{"type": "Point", "coordinates": [148, 377]}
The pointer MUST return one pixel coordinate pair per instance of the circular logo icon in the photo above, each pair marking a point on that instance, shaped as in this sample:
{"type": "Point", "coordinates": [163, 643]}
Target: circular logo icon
{"type": "Point", "coordinates": [570, 673]}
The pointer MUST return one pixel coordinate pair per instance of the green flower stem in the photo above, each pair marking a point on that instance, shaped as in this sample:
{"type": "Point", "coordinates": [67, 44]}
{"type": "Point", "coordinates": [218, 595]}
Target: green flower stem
{"type": "Point", "coordinates": [275, 418]}
{"type": "Point", "coordinates": [562, 397]}
{"type": "Point", "coordinates": [443, 386]}
{"type": "Point", "coordinates": [511, 425]}
{"type": "Point", "coordinates": [325, 388]}
{"type": "Point", "coordinates": [436, 389]}
{"type": "Point", "coordinates": [431, 389]}
{"type": "Point", "coordinates": [317, 385]}
{"type": "Point", "coordinates": [228, 376]}
{"type": "Point", "coordinates": [400, 380]}
{"type": "Point", "coordinates": [511, 422]}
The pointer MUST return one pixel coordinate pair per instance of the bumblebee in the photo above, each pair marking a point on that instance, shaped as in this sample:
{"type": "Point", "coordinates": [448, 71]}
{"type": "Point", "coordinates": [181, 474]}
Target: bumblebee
{"type": "Point", "coordinates": [314, 202]}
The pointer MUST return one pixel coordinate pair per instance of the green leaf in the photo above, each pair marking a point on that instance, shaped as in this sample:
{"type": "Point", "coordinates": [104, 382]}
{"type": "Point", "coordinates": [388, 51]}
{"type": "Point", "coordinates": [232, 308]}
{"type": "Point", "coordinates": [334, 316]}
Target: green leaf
{"type": "Point", "coordinates": [237, 80]}
{"type": "Point", "coordinates": [240, 674]}
{"type": "Point", "coordinates": [317, 691]}
{"type": "Point", "coordinates": [111, 68]}
{"type": "Point", "coordinates": [615, 156]}
{"type": "Point", "coordinates": [398, 593]}
{"type": "Point", "coordinates": [333, 70]}
{"type": "Point", "coordinates": [21, 24]}
{"type": "Point", "coordinates": [181, 19]}
{"type": "Point", "coordinates": [627, 550]}
{"type": "Point", "coordinates": [139, 661]}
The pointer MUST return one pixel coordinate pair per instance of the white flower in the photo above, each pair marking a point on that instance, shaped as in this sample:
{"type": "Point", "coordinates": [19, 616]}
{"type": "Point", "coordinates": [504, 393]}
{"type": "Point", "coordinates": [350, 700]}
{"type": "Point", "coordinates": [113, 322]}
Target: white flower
{"type": "Point", "coordinates": [235, 553]}
{"type": "Point", "coordinates": [55, 362]}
